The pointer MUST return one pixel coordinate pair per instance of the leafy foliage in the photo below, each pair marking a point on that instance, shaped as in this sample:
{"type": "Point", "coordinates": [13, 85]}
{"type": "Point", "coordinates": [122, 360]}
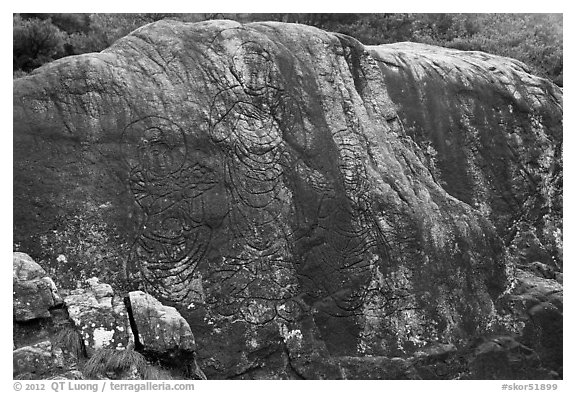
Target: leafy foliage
{"type": "Point", "coordinates": [104, 29]}
{"type": "Point", "coordinates": [535, 39]}
{"type": "Point", "coordinates": [36, 42]}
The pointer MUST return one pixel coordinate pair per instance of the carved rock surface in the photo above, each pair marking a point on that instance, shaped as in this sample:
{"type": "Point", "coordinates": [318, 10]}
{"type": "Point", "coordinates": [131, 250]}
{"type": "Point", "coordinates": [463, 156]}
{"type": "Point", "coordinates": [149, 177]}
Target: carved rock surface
{"type": "Point", "coordinates": [100, 317]}
{"type": "Point", "coordinates": [265, 180]}
{"type": "Point", "coordinates": [34, 293]}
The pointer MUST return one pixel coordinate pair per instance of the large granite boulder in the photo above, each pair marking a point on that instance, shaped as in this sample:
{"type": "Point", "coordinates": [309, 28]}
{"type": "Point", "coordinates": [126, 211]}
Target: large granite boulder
{"type": "Point", "coordinates": [34, 293]}
{"type": "Point", "coordinates": [272, 183]}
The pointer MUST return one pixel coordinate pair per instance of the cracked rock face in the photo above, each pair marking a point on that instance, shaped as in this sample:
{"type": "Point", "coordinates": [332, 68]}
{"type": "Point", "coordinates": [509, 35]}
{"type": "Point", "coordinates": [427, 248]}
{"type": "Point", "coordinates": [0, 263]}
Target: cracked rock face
{"type": "Point", "coordinates": [160, 328]}
{"type": "Point", "coordinates": [162, 332]}
{"type": "Point", "coordinates": [271, 182]}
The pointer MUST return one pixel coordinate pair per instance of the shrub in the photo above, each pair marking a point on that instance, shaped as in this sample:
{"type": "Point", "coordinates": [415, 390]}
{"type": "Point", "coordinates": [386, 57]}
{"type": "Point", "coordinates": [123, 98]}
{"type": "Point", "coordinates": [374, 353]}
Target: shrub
{"type": "Point", "coordinates": [18, 74]}
{"type": "Point", "coordinates": [35, 42]}
{"type": "Point", "coordinates": [535, 39]}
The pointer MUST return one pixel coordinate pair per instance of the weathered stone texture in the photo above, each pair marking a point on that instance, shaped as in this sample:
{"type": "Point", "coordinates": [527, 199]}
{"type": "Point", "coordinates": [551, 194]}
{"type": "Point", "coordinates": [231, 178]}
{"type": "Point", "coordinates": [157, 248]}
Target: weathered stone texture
{"type": "Point", "coordinates": [161, 331]}
{"type": "Point", "coordinates": [34, 293]}
{"type": "Point", "coordinates": [275, 183]}
{"type": "Point", "coordinates": [538, 304]}
{"type": "Point", "coordinates": [160, 328]}
{"type": "Point", "coordinates": [31, 362]}
{"type": "Point", "coordinates": [100, 316]}
{"type": "Point", "coordinates": [490, 133]}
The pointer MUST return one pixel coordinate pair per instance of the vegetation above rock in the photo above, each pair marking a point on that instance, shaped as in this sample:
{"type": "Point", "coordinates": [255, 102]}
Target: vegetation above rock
{"type": "Point", "coordinates": [535, 39]}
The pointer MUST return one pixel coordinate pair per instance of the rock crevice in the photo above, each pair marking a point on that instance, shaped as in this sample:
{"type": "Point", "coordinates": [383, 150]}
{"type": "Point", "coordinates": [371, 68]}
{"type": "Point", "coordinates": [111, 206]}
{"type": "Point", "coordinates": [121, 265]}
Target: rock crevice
{"type": "Point", "coordinates": [92, 322]}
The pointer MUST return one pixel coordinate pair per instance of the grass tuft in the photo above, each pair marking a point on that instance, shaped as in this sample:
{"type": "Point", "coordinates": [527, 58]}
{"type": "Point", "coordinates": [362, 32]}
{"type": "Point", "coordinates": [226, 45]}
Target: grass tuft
{"type": "Point", "coordinates": [108, 361]}
{"type": "Point", "coordinates": [95, 367]}
{"type": "Point", "coordinates": [69, 340]}
{"type": "Point", "coordinates": [122, 360]}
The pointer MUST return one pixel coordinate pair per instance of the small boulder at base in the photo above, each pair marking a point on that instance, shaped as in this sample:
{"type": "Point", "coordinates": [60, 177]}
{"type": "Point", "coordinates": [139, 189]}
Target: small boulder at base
{"type": "Point", "coordinates": [34, 292]}
{"type": "Point", "coordinates": [502, 356]}
{"type": "Point", "coordinates": [162, 332]}
{"type": "Point", "coordinates": [160, 328]}
{"type": "Point", "coordinates": [538, 303]}
{"type": "Point", "coordinates": [31, 362]}
{"type": "Point", "coordinates": [100, 316]}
